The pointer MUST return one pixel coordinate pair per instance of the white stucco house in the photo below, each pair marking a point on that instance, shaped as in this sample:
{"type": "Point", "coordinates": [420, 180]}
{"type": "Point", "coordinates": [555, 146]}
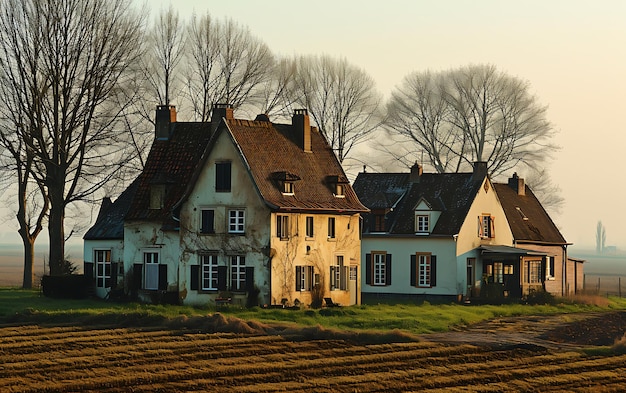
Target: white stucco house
{"type": "Point", "coordinates": [249, 212]}
{"type": "Point", "coordinates": [437, 236]}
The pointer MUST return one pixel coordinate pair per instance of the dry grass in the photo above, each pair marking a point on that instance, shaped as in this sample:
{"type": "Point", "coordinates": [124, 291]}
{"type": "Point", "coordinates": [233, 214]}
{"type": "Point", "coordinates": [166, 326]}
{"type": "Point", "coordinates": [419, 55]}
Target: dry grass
{"type": "Point", "coordinates": [189, 357]}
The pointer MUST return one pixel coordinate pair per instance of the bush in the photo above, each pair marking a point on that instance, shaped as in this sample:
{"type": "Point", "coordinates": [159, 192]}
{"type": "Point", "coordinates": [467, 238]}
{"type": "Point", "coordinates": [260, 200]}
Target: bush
{"type": "Point", "coordinates": [540, 297]}
{"type": "Point", "coordinates": [70, 286]}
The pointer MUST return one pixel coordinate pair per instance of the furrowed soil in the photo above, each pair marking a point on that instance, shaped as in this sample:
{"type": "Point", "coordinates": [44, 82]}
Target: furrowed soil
{"type": "Point", "coordinates": [216, 353]}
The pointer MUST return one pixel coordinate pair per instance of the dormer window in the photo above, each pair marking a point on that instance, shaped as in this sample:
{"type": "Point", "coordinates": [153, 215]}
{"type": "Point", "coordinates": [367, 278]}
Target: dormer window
{"type": "Point", "coordinates": [422, 223]}
{"type": "Point", "coordinates": [285, 181]}
{"type": "Point", "coordinates": [287, 188]}
{"type": "Point", "coordinates": [340, 191]}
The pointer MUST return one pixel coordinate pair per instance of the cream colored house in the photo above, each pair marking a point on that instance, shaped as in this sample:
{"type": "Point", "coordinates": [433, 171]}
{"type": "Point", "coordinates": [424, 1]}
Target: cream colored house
{"type": "Point", "coordinates": [436, 236]}
{"type": "Point", "coordinates": [248, 212]}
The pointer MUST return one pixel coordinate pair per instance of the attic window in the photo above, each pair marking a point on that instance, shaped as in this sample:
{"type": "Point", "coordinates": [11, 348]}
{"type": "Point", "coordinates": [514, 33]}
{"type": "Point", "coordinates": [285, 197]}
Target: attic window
{"type": "Point", "coordinates": [157, 196]}
{"type": "Point", "coordinates": [340, 191]}
{"type": "Point", "coordinates": [521, 213]}
{"type": "Point", "coordinates": [287, 188]}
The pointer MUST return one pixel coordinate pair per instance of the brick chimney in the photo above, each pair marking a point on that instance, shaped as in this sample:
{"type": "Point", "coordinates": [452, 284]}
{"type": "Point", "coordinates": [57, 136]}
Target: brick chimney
{"type": "Point", "coordinates": [220, 111]}
{"type": "Point", "coordinates": [517, 183]}
{"type": "Point", "coordinates": [165, 118]}
{"type": "Point", "coordinates": [302, 129]}
{"type": "Point", "coordinates": [416, 173]}
{"type": "Point", "coordinates": [480, 169]}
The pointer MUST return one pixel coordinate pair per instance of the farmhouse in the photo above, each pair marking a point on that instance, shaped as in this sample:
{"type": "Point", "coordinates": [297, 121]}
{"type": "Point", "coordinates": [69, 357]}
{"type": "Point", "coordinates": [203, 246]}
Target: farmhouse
{"type": "Point", "coordinates": [533, 229]}
{"type": "Point", "coordinates": [433, 236]}
{"type": "Point", "coordinates": [241, 211]}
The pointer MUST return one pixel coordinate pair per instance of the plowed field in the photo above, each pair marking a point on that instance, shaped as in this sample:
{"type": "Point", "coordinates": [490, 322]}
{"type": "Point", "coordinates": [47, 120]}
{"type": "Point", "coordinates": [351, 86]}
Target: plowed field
{"type": "Point", "coordinates": [185, 358]}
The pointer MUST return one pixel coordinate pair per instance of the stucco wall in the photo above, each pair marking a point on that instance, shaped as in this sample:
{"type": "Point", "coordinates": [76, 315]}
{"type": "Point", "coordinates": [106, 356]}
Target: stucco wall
{"type": "Point", "coordinates": [318, 251]}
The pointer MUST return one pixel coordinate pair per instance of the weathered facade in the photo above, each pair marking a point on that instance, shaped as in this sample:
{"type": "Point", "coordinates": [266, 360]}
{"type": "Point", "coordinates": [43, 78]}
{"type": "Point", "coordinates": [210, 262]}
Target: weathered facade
{"type": "Point", "coordinates": [249, 212]}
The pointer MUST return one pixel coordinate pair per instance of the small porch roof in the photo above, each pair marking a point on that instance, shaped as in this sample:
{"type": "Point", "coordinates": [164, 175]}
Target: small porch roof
{"type": "Point", "coordinates": [508, 251]}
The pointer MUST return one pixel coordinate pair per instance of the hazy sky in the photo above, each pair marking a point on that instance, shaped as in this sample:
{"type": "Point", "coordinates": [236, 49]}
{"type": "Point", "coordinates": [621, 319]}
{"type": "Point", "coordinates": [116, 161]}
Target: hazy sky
{"type": "Point", "coordinates": [573, 53]}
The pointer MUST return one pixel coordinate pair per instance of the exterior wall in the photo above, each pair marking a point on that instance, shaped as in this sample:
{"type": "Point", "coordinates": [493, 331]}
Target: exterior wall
{"type": "Point", "coordinates": [486, 202]}
{"type": "Point", "coordinates": [117, 256]}
{"type": "Point", "coordinates": [142, 237]}
{"type": "Point", "coordinates": [448, 267]}
{"type": "Point", "coordinates": [319, 251]}
{"type": "Point", "coordinates": [253, 244]}
{"type": "Point", "coordinates": [574, 277]}
{"type": "Point", "coordinates": [555, 283]}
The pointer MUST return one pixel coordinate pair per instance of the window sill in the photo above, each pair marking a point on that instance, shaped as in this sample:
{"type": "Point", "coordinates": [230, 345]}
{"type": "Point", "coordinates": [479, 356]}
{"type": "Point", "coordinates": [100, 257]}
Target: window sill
{"type": "Point", "coordinates": [332, 239]}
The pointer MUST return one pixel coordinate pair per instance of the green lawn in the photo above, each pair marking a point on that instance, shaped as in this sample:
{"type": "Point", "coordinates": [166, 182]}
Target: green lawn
{"type": "Point", "coordinates": [23, 306]}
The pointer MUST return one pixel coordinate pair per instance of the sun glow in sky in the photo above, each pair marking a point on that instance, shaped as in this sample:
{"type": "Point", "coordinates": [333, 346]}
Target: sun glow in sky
{"type": "Point", "coordinates": [572, 52]}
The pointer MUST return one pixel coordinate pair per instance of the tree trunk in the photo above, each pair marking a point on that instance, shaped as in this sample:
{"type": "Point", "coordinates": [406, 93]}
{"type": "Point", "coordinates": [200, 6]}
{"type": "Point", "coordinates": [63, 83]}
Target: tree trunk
{"type": "Point", "coordinates": [29, 262]}
{"type": "Point", "coordinates": [56, 231]}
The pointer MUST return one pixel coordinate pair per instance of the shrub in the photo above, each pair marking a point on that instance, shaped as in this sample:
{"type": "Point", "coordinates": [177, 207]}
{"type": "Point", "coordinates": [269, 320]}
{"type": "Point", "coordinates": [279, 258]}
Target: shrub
{"type": "Point", "coordinates": [71, 286]}
{"type": "Point", "coordinates": [540, 297]}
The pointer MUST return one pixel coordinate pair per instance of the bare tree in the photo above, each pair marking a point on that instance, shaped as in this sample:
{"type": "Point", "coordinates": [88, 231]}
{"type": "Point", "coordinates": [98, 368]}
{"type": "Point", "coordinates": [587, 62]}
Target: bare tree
{"type": "Point", "coordinates": [226, 63]}
{"type": "Point", "coordinates": [600, 237]}
{"type": "Point", "coordinates": [545, 190]}
{"type": "Point", "coordinates": [71, 61]}
{"type": "Point", "coordinates": [474, 113]}
{"type": "Point", "coordinates": [167, 44]}
{"type": "Point", "coordinates": [341, 98]}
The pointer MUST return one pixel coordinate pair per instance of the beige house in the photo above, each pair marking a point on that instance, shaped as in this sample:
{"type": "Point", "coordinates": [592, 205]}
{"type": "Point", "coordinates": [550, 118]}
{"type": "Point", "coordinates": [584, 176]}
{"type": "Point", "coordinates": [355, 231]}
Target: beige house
{"type": "Point", "coordinates": [248, 212]}
{"type": "Point", "coordinates": [533, 229]}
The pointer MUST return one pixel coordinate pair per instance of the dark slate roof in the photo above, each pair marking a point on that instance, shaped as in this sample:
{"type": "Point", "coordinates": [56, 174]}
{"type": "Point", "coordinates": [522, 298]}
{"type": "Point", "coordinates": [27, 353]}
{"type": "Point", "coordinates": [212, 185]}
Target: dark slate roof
{"type": "Point", "coordinates": [172, 163]}
{"type": "Point", "coordinates": [271, 153]}
{"type": "Point", "coordinates": [538, 226]}
{"type": "Point", "coordinates": [450, 193]}
{"type": "Point", "coordinates": [110, 222]}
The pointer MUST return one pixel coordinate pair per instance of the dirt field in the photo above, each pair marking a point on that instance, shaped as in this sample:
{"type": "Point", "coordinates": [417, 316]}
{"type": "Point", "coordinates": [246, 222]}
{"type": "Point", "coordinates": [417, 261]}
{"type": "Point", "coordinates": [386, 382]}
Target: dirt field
{"type": "Point", "coordinates": [218, 354]}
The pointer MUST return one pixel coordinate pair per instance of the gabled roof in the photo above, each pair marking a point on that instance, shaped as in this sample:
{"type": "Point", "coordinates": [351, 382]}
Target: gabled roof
{"type": "Point", "coordinates": [527, 218]}
{"type": "Point", "coordinates": [172, 163]}
{"type": "Point", "coordinates": [110, 222]}
{"type": "Point", "coordinates": [449, 193]}
{"type": "Point", "coordinates": [270, 149]}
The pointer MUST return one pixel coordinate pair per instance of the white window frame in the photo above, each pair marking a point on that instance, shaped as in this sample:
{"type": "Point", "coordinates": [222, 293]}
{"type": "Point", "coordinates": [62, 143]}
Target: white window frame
{"type": "Point", "coordinates": [236, 221]}
{"type": "Point", "coordinates": [332, 227]}
{"type": "Point", "coordinates": [379, 267]}
{"type": "Point", "coordinates": [151, 269]}
{"type": "Point", "coordinates": [422, 223]}
{"type": "Point", "coordinates": [340, 190]}
{"type": "Point", "coordinates": [157, 196]}
{"type": "Point", "coordinates": [424, 270]}
{"type": "Point", "coordinates": [532, 272]}
{"type": "Point", "coordinates": [209, 271]}
{"type": "Point", "coordinates": [102, 264]}
{"type": "Point", "coordinates": [306, 278]}
{"type": "Point", "coordinates": [338, 280]}
{"type": "Point", "coordinates": [288, 187]}
{"type": "Point", "coordinates": [238, 272]}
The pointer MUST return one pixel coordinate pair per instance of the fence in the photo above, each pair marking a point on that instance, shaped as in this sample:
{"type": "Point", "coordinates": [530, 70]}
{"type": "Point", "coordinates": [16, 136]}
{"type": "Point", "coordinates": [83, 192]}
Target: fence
{"type": "Point", "coordinates": [604, 285]}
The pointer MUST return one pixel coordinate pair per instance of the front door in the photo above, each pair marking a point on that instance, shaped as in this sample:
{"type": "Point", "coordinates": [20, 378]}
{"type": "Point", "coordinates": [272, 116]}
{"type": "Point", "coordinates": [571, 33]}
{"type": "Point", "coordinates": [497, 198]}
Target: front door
{"type": "Point", "coordinates": [471, 277]}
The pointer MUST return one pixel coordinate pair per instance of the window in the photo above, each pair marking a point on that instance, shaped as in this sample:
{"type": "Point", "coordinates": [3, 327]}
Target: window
{"type": "Point", "coordinates": [305, 278]}
{"type": "Point", "coordinates": [550, 268]}
{"type": "Point", "coordinates": [209, 272]}
{"type": "Point", "coordinates": [486, 227]}
{"type": "Point", "coordinates": [496, 272]}
{"type": "Point", "coordinates": [238, 273]}
{"type": "Point", "coordinates": [207, 217]}
{"type": "Point", "coordinates": [222, 176]}
{"type": "Point", "coordinates": [151, 262]}
{"type": "Point", "coordinates": [379, 269]}
{"type": "Point", "coordinates": [338, 275]}
{"type": "Point", "coordinates": [102, 258]}
{"type": "Point", "coordinates": [532, 272]}
{"type": "Point", "coordinates": [157, 196]}
{"type": "Point", "coordinates": [236, 221]}
{"type": "Point", "coordinates": [422, 223]}
{"type": "Point", "coordinates": [309, 226]}
{"type": "Point", "coordinates": [288, 188]}
{"type": "Point", "coordinates": [423, 270]}
{"type": "Point", "coordinates": [331, 227]}
{"type": "Point", "coordinates": [282, 226]}
{"type": "Point", "coordinates": [340, 191]}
